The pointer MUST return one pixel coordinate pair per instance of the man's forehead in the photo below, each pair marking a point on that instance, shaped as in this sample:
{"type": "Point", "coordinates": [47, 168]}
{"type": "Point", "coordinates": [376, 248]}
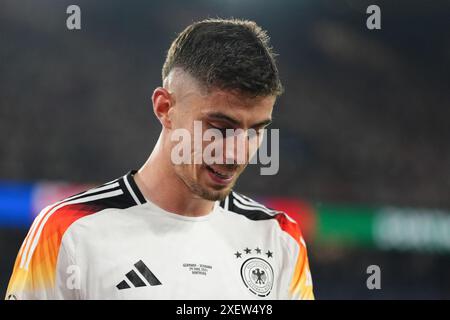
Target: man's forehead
{"type": "Point", "coordinates": [236, 99]}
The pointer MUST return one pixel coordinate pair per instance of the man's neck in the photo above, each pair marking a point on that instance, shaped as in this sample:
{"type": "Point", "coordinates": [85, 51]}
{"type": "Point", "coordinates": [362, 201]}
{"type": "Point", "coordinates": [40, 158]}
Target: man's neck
{"type": "Point", "coordinates": [158, 183]}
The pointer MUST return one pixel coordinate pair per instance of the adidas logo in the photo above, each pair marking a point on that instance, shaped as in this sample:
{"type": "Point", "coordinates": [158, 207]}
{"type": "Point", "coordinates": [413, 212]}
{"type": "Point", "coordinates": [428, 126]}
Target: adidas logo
{"type": "Point", "coordinates": [137, 280]}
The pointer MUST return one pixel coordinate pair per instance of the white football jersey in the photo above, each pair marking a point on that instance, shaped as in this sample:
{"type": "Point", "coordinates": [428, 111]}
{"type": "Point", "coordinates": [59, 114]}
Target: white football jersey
{"type": "Point", "coordinates": [111, 243]}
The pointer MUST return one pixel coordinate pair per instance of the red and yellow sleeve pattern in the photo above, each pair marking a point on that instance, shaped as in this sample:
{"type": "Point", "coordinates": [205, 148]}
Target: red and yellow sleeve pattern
{"type": "Point", "coordinates": [35, 267]}
{"type": "Point", "coordinates": [301, 286]}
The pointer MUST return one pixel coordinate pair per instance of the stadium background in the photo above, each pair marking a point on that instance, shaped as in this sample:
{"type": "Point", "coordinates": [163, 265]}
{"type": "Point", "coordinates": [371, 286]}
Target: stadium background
{"type": "Point", "coordinates": [364, 124]}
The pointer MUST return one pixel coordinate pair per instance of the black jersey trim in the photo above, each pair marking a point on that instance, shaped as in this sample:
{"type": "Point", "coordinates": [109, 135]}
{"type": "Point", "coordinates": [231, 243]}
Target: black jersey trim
{"type": "Point", "coordinates": [254, 211]}
{"type": "Point", "coordinates": [134, 187]}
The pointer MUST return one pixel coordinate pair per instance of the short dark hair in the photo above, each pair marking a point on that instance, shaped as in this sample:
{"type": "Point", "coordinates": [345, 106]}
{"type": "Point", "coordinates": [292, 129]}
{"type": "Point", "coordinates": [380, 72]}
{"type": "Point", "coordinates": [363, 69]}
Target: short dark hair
{"type": "Point", "coordinates": [229, 54]}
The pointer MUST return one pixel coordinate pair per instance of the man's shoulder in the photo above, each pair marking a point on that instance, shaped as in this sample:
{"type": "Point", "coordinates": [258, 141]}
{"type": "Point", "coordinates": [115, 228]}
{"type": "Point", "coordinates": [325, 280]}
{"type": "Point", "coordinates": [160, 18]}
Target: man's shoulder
{"type": "Point", "coordinates": [121, 193]}
{"type": "Point", "coordinates": [245, 206]}
{"type": "Point", "coordinates": [45, 235]}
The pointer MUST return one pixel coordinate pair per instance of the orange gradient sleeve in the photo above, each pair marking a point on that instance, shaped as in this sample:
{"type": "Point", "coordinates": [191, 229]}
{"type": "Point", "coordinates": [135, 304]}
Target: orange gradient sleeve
{"type": "Point", "coordinates": [34, 272]}
{"type": "Point", "coordinates": [301, 286]}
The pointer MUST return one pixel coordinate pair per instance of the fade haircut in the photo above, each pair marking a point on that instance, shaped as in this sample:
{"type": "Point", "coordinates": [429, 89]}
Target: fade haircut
{"type": "Point", "coordinates": [227, 54]}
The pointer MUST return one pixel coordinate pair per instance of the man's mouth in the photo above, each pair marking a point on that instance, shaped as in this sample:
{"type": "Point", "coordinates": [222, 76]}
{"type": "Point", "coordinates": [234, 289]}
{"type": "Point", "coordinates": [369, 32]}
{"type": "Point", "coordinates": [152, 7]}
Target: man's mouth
{"type": "Point", "coordinates": [220, 176]}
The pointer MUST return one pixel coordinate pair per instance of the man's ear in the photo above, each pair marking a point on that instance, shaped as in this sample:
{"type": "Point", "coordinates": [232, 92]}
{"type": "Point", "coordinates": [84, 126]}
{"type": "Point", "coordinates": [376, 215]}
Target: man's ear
{"type": "Point", "coordinates": [162, 103]}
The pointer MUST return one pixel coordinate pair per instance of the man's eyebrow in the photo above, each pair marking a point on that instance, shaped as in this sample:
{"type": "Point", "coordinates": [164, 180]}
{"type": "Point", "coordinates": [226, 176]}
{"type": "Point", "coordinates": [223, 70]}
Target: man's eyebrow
{"type": "Point", "coordinates": [223, 117]}
{"type": "Point", "coordinates": [235, 122]}
{"type": "Point", "coordinates": [263, 123]}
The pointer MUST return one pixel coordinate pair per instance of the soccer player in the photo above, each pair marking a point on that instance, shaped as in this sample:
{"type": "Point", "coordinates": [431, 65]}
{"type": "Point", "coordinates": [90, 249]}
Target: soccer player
{"type": "Point", "coordinates": [178, 231]}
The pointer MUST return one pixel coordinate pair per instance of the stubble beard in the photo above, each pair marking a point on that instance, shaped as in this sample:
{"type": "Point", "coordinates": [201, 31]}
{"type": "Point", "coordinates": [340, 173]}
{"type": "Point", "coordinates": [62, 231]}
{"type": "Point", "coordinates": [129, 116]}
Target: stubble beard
{"type": "Point", "coordinates": [204, 192]}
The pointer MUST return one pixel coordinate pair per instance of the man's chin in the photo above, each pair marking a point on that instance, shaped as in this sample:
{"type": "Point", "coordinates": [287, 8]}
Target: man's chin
{"type": "Point", "coordinates": [216, 195]}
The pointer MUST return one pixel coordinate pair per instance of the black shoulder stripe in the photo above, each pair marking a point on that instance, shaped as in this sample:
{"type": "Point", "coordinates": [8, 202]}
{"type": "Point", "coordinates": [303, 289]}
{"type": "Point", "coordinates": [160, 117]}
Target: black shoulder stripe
{"type": "Point", "coordinates": [112, 198]}
{"type": "Point", "coordinates": [252, 211]}
{"type": "Point", "coordinates": [121, 201]}
{"type": "Point", "coordinates": [134, 186]}
{"type": "Point", "coordinates": [111, 182]}
{"type": "Point", "coordinates": [93, 192]}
